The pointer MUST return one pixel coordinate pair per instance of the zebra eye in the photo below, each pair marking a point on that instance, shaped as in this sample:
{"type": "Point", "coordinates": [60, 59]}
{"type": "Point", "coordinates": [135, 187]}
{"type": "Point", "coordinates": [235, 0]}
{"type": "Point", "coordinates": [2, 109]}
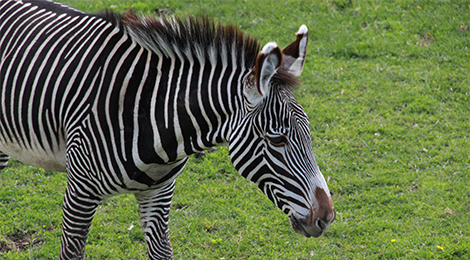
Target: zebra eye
{"type": "Point", "coordinates": [279, 140]}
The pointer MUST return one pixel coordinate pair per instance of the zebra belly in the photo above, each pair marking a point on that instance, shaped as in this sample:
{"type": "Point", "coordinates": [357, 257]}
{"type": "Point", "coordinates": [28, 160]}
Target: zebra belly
{"type": "Point", "coordinates": [53, 161]}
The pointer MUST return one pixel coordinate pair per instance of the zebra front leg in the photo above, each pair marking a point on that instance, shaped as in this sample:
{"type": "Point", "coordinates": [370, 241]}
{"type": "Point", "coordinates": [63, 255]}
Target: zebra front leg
{"type": "Point", "coordinates": [154, 209]}
{"type": "Point", "coordinates": [78, 212]}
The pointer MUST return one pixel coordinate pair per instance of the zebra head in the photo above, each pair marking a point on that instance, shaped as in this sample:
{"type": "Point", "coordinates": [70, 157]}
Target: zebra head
{"type": "Point", "coordinates": [271, 144]}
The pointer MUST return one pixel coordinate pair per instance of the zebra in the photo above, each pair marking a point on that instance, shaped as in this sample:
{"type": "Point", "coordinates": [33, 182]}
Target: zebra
{"type": "Point", "coordinates": [119, 101]}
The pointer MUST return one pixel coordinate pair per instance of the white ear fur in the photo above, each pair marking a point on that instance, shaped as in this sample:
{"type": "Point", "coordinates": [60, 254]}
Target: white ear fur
{"type": "Point", "coordinates": [272, 60]}
{"type": "Point", "coordinates": [268, 61]}
{"type": "Point", "coordinates": [295, 53]}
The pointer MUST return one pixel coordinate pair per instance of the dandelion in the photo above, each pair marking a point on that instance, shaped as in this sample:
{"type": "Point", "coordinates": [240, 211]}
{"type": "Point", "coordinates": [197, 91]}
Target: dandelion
{"type": "Point", "coordinates": [393, 240]}
{"type": "Point", "coordinates": [216, 241]}
{"type": "Point", "coordinates": [440, 248]}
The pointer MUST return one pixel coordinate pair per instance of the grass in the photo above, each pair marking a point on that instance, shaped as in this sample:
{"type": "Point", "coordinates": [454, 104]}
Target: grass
{"type": "Point", "coordinates": [386, 87]}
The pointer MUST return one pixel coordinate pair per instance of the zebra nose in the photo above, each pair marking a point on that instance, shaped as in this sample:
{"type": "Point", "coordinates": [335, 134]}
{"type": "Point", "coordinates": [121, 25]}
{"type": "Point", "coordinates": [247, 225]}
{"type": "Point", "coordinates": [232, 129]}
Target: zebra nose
{"type": "Point", "coordinates": [321, 224]}
{"type": "Point", "coordinates": [308, 226]}
{"type": "Point", "coordinates": [321, 215]}
{"type": "Point", "coordinates": [325, 213]}
{"type": "Point", "coordinates": [313, 225]}
{"type": "Point", "coordinates": [324, 222]}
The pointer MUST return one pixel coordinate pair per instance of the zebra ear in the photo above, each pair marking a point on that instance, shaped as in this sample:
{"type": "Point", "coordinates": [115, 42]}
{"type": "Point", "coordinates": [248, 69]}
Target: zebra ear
{"type": "Point", "coordinates": [267, 63]}
{"type": "Point", "coordinates": [294, 54]}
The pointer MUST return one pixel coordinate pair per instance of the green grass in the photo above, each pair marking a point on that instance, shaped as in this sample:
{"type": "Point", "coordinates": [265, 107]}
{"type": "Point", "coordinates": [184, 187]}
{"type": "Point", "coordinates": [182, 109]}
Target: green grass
{"type": "Point", "coordinates": [386, 87]}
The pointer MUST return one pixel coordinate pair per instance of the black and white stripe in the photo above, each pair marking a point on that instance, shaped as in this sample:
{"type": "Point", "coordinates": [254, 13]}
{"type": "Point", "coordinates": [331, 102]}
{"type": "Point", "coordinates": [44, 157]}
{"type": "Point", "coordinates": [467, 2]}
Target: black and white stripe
{"type": "Point", "coordinates": [120, 102]}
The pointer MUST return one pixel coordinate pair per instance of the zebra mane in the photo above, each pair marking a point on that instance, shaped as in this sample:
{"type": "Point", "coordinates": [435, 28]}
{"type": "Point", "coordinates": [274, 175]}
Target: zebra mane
{"type": "Point", "coordinates": [194, 37]}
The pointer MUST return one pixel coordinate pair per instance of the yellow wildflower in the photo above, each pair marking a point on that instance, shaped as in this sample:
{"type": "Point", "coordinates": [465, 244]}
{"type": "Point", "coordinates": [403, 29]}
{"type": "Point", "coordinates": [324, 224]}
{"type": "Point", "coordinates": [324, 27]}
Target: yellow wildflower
{"type": "Point", "coordinates": [393, 240]}
{"type": "Point", "coordinates": [440, 248]}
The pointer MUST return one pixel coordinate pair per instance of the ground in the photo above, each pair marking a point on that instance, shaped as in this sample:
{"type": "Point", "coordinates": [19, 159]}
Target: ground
{"type": "Point", "coordinates": [385, 86]}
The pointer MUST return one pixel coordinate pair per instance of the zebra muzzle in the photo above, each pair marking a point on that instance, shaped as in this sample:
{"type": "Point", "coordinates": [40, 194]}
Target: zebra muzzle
{"type": "Point", "coordinates": [319, 217]}
{"type": "Point", "coordinates": [312, 226]}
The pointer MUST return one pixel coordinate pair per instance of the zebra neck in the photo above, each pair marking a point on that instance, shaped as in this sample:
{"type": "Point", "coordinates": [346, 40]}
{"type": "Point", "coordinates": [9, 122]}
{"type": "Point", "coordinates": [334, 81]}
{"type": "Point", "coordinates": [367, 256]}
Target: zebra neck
{"type": "Point", "coordinates": [184, 105]}
{"type": "Point", "coordinates": [195, 75]}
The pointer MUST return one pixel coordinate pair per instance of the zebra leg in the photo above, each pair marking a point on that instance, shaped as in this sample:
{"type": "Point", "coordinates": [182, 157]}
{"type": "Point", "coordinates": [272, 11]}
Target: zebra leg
{"type": "Point", "coordinates": [78, 212]}
{"type": "Point", "coordinates": [3, 161]}
{"type": "Point", "coordinates": [154, 209]}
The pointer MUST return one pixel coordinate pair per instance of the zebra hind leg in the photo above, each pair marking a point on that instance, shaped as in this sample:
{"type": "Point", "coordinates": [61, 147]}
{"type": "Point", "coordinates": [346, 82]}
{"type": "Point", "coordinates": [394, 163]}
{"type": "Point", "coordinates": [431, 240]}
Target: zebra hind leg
{"type": "Point", "coordinates": [154, 209]}
{"type": "Point", "coordinates": [78, 212]}
{"type": "Point", "coordinates": [3, 161]}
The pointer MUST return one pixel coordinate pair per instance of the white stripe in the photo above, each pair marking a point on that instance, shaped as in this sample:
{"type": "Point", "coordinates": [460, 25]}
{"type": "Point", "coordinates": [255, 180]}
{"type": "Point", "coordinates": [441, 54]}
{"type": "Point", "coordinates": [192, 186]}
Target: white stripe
{"type": "Point", "coordinates": [202, 66]}
{"type": "Point", "coordinates": [187, 99]}
{"type": "Point", "coordinates": [167, 97]}
{"type": "Point", "coordinates": [153, 111]}
{"type": "Point", "coordinates": [135, 138]}
{"type": "Point", "coordinates": [230, 79]}
{"type": "Point", "coordinates": [213, 61]}
{"type": "Point", "coordinates": [221, 89]}
{"type": "Point", "coordinates": [227, 132]}
{"type": "Point", "coordinates": [176, 123]}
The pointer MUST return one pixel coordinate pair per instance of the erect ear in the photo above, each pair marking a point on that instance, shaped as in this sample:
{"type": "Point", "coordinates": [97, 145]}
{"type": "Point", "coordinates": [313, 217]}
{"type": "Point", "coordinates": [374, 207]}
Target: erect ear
{"type": "Point", "coordinates": [267, 62]}
{"type": "Point", "coordinates": [294, 54]}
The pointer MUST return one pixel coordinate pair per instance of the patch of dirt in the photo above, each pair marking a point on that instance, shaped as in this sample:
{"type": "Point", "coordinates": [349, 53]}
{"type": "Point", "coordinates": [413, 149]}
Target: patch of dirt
{"type": "Point", "coordinates": [5, 246]}
{"type": "Point", "coordinates": [17, 243]}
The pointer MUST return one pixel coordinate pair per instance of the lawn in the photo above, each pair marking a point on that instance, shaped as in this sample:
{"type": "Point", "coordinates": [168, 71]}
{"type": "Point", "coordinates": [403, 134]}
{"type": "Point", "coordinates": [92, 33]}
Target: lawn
{"type": "Point", "coordinates": [386, 86]}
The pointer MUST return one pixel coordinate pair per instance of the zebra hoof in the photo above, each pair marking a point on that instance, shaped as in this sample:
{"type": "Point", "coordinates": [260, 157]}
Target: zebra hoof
{"type": "Point", "coordinates": [202, 154]}
{"type": "Point", "coordinates": [199, 155]}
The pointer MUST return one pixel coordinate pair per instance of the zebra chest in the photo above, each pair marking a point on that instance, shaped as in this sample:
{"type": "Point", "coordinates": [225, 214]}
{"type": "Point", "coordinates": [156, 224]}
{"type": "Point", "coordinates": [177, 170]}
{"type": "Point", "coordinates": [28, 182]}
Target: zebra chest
{"type": "Point", "coordinates": [154, 175]}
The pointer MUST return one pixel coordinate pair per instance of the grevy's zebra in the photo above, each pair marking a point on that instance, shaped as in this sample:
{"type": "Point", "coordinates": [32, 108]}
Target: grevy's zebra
{"type": "Point", "coordinates": [119, 102]}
